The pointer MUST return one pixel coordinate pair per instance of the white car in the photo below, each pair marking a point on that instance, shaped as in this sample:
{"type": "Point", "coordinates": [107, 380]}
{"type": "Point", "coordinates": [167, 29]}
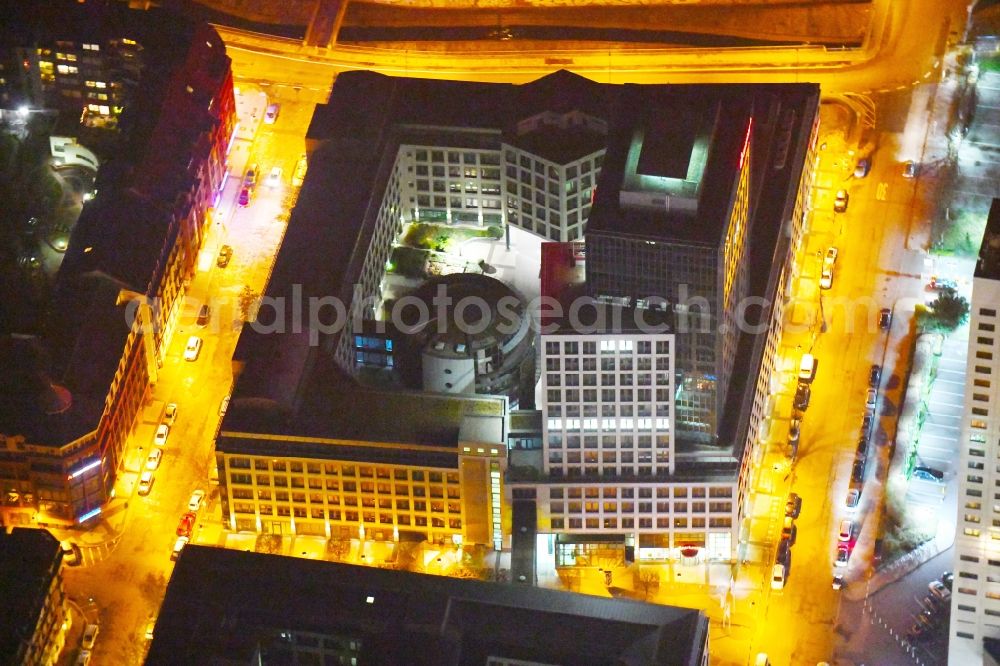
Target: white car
{"type": "Point", "coordinates": [196, 497]}
{"type": "Point", "coordinates": [162, 432]}
{"type": "Point", "coordinates": [145, 483]}
{"type": "Point", "coordinates": [154, 458]}
{"type": "Point", "coordinates": [89, 636]}
{"type": "Point", "coordinates": [274, 178]}
{"type": "Point", "coordinates": [170, 413]}
{"type": "Point", "coordinates": [778, 577]}
{"type": "Point", "coordinates": [271, 114]}
{"type": "Point", "coordinates": [179, 546]}
{"type": "Point", "coordinates": [846, 529]}
{"type": "Point", "coordinates": [192, 349]}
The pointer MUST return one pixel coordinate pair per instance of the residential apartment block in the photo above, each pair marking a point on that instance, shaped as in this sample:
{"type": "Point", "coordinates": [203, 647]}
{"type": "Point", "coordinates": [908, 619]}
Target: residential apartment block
{"type": "Point", "coordinates": [76, 394]}
{"type": "Point", "coordinates": [35, 612]}
{"type": "Point", "coordinates": [975, 603]}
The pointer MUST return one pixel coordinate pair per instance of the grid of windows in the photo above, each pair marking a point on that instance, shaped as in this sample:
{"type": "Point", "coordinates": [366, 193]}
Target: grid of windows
{"type": "Point", "coordinates": [548, 199]}
{"type": "Point", "coordinates": [453, 185]}
{"type": "Point", "coordinates": [608, 402]}
{"type": "Point", "coordinates": [670, 509]}
{"type": "Point", "coordinates": [310, 496]}
{"type": "Point", "coordinates": [976, 604]}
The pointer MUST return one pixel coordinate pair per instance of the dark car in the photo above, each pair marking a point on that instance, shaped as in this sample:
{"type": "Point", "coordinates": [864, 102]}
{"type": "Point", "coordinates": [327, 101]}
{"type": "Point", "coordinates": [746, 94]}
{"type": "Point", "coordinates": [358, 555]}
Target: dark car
{"type": "Point", "coordinates": [790, 534]}
{"type": "Point", "coordinates": [863, 447]}
{"type": "Point", "coordinates": [802, 395]}
{"type": "Point", "coordinates": [862, 168]}
{"type": "Point", "coordinates": [866, 425]}
{"type": "Point", "coordinates": [947, 578]}
{"type": "Point", "coordinates": [874, 376]}
{"type": "Point", "coordinates": [794, 430]}
{"type": "Point", "coordinates": [858, 474]}
{"type": "Point", "coordinates": [244, 199]}
{"type": "Point", "coordinates": [885, 319]}
{"type": "Point", "coordinates": [784, 553]}
{"type": "Point", "coordinates": [793, 506]}
{"type": "Point", "coordinates": [928, 473]}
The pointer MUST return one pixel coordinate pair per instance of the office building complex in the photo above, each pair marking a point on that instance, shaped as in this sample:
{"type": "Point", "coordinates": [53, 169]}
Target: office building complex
{"type": "Point", "coordinates": [299, 611]}
{"type": "Point", "coordinates": [68, 407]}
{"type": "Point", "coordinates": [975, 601]}
{"type": "Point", "coordinates": [34, 615]}
{"type": "Point", "coordinates": [646, 437]}
{"type": "Point", "coordinates": [649, 434]}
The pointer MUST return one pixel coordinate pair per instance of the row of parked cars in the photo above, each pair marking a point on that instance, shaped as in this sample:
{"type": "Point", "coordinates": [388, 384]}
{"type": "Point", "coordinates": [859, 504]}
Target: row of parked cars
{"type": "Point", "coordinates": [934, 608]}
{"type": "Point", "coordinates": [783, 559]}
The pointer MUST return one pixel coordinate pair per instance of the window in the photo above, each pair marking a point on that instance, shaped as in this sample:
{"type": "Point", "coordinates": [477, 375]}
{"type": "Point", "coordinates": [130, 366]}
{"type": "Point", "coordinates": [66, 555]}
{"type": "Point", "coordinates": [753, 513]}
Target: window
{"type": "Point", "coordinates": [987, 312]}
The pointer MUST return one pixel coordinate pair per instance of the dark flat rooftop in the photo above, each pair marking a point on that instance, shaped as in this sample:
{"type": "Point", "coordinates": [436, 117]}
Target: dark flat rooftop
{"type": "Point", "coordinates": [28, 561]}
{"type": "Point", "coordinates": [225, 604]}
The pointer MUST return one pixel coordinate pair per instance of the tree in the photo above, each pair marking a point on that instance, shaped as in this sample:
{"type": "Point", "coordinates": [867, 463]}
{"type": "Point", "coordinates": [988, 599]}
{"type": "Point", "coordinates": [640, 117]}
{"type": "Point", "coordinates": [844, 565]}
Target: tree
{"type": "Point", "coordinates": [947, 312]}
{"type": "Point", "coordinates": [249, 303]}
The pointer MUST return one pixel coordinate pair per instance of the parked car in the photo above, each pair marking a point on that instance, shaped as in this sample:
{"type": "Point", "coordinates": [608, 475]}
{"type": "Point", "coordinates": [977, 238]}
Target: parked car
{"type": "Point", "coordinates": [862, 168]}
{"type": "Point", "coordinates": [831, 256]}
{"type": "Point", "coordinates": [224, 405]}
{"type": "Point", "coordinates": [196, 497]}
{"type": "Point", "coordinates": [244, 199]}
{"type": "Point", "coordinates": [938, 589]}
{"type": "Point", "coordinates": [871, 397]}
{"type": "Point", "coordinates": [145, 483]}
{"type": "Point", "coordinates": [874, 376]}
{"type": "Point", "coordinates": [250, 179]}
{"type": "Point", "coordinates": [802, 395]}
{"type": "Point", "coordinates": [83, 658]}
{"type": "Point", "coordinates": [853, 498]}
{"type": "Point", "coordinates": [826, 277]}
{"type": "Point", "coordinates": [917, 632]}
{"type": "Point", "coordinates": [274, 178]}
{"type": "Point", "coordinates": [858, 473]}
{"type": "Point", "coordinates": [885, 319]}
{"type": "Point", "coordinates": [942, 284]}
{"type": "Point", "coordinates": [948, 578]}
{"type": "Point", "coordinates": [846, 529]}
{"type": "Point", "coordinates": [778, 577]}
{"type": "Point", "coordinates": [793, 507]}
{"type": "Point", "coordinates": [867, 424]}
{"type": "Point", "coordinates": [192, 349]}
{"type": "Point", "coordinates": [843, 555]}
{"type": "Point", "coordinates": [862, 450]}
{"type": "Point", "coordinates": [89, 636]}
{"type": "Point", "coordinates": [204, 316]}
{"type": "Point", "coordinates": [928, 473]}
{"type": "Point", "coordinates": [154, 458]}
{"type": "Point", "coordinates": [271, 114]}
{"type": "Point", "coordinates": [794, 430]}
{"type": "Point", "coordinates": [838, 582]}
{"type": "Point", "coordinates": [72, 555]}
{"type": "Point", "coordinates": [162, 432]}
{"type": "Point", "coordinates": [186, 524]}
{"type": "Point", "coordinates": [840, 201]}
{"type": "Point", "coordinates": [910, 169]}
{"type": "Point", "coordinates": [790, 533]}
{"type": "Point", "coordinates": [807, 368]}
{"type": "Point", "coordinates": [225, 255]}
{"type": "Point", "coordinates": [170, 414]}
{"type": "Point", "coordinates": [150, 626]}
{"type": "Point", "coordinates": [179, 546]}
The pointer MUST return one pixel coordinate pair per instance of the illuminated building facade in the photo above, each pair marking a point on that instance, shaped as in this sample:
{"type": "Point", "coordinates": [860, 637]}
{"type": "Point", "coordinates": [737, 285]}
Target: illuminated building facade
{"type": "Point", "coordinates": [696, 185]}
{"type": "Point", "coordinates": [974, 635]}
{"type": "Point", "coordinates": [417, 464]}
{"type": "Point", "coordinates": [36, 614]}
{"type": "Point", "coordinates": [119, 291]}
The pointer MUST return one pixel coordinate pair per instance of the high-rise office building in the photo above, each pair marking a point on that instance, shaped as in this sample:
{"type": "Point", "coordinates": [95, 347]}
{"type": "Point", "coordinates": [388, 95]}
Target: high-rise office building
{"type": "Point", "coordinates": [975, 603]}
